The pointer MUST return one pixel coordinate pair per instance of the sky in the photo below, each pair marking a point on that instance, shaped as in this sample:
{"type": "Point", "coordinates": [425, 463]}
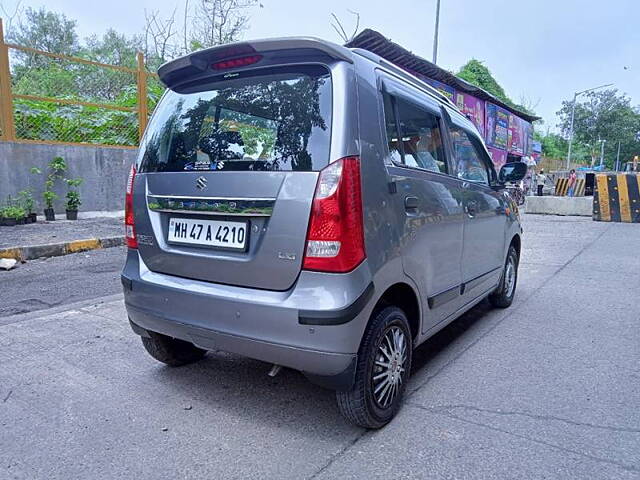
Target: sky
{"type": "Point", "coordinates": [540, 51]}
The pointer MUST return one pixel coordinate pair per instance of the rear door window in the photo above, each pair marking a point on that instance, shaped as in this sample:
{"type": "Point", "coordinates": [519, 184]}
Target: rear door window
{"type": "Point", "coordinates": [279, 119]}
{"type": "Point", "coordinates": [414, 140]}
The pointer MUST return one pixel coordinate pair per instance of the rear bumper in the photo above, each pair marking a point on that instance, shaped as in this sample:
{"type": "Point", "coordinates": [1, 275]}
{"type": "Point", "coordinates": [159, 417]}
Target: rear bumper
{"type": "Point", "coordinates": [275, 327]}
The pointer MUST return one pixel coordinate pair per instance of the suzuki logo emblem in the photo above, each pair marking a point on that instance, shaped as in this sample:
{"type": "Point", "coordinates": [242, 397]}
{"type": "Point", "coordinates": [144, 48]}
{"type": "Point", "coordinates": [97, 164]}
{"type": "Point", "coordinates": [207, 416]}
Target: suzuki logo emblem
{"type": "Point", "coordinates": [201, 183]}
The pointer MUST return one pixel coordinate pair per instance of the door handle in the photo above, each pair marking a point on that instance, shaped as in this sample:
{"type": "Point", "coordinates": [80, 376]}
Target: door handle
{"type": "Point", "coordinates": [472, 208]}
{"type": "Point", "coordinates": [411, 204]}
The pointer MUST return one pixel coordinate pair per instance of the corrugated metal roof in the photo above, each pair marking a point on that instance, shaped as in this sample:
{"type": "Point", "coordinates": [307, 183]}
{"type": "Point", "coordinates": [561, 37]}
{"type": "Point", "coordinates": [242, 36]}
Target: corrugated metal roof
{"type": "Point", "coordinates": [380, 45]}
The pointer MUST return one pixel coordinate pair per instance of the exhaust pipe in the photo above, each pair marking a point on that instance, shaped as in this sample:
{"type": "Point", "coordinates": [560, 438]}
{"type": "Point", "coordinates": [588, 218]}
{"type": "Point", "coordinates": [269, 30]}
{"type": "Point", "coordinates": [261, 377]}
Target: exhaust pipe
{"type": "Point", "coordinates": [275, 370]}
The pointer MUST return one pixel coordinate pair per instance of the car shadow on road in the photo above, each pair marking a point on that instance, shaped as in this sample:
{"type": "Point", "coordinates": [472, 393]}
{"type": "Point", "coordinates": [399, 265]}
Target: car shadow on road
{"type": "Point", "coordinates": [237, 387]}
{"type": "Point", "coordinates": [234, 386]}
{"type": "Point", "coordinates": [443, 340]}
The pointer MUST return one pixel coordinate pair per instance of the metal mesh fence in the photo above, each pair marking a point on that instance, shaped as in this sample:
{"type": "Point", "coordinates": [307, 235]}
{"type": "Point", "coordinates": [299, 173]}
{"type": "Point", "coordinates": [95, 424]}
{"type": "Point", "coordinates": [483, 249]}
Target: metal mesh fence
{"type": "Point", "coordinates": [49, 97]}
{"type": "Point", "coordinates": [50, 121]}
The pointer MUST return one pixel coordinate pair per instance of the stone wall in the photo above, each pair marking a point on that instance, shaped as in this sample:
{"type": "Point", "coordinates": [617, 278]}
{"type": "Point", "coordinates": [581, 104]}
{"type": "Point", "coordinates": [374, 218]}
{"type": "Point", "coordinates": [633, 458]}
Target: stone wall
{"type": "Point", "coordinates": [104, 170]}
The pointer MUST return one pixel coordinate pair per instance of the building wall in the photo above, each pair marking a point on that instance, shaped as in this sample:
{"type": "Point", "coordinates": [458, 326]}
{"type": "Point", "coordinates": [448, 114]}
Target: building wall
{"type": "Point", "coordinates": [103, 169]}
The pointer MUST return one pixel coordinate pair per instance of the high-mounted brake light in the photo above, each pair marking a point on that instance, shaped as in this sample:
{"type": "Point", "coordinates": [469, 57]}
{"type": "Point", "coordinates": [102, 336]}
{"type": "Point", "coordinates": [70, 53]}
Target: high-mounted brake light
{"type": "Point", "coordinates": [335, 239]}
{"type": "Point", "coordinates": [236, 62]}
{"type": "Point", "coordinates": [129, 221]}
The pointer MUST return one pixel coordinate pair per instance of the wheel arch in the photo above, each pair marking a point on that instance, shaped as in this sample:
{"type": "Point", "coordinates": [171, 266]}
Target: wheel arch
{"type": "Point", "coordinates": [516, 241]}
{"type": "Point", "coordinates": [403, 296]}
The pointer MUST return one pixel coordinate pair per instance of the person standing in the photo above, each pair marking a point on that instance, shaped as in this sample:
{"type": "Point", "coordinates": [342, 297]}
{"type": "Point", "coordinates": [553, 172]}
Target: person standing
{"type": "Point", "coordinates": [541, 178]}
{"type": "Point", "coordinates": [573, 178]}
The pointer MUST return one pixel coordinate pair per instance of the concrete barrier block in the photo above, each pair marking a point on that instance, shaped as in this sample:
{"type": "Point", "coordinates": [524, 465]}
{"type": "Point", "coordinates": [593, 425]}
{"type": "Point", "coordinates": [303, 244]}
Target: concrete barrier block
{"type": "Point", "coordinates": [576, 206]}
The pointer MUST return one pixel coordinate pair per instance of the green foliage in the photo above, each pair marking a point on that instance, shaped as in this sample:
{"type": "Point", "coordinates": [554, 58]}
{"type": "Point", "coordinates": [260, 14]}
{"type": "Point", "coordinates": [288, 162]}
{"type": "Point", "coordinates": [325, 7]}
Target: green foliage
{"type": "Point", "coordinates": [57, 166]}
{"type": "Point", "coordinates": [75, 123]}
{"type": "Point", "coordinates": [603, 115]}
{"type": "Point", "coordinates": [13, 211]}
{"type": "Point", "coordinates": [73, 195]}
{"type": "Point", "coordinates": [476, 73]}
{"type": "Point", "coordinates": [49, 197]}
{"type": "Point", "coordinates": [13, 208]}
{"type": "Point", "coordinates": [44, 30]}
{"type": "Point", "coordinates": [26, 199]}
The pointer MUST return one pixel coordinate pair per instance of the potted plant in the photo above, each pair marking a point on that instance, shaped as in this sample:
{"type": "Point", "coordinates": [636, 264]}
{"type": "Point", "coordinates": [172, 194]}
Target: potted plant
{"type": "Point", "coordinates": [73, 198]}
{"type": "Point", "coordinates": [13, 215]}
{"type": "Point", "coordinates": [5, 220]}
{"type": "Point", "coordinates": [56, 167]}
{"type": "Point", "coordinates": [27, 202]}
{"type": "Point", "coordinates": [20, 214]}
{"type": "Point", "coordinates": [49, 196]}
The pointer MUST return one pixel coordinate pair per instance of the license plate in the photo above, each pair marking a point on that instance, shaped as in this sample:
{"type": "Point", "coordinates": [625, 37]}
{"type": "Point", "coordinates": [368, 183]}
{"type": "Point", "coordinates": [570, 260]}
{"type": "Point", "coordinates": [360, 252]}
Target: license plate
{"type": "Point", "coordinates": [209, 233]}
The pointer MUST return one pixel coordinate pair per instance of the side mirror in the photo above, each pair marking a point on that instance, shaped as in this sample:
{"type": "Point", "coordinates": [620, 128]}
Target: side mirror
{"type": "Point", "coordinates": [512, 172]}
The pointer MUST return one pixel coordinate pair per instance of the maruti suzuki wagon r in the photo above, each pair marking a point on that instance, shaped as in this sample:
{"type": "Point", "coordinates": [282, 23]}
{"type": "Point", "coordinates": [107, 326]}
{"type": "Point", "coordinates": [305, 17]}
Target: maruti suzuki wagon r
{"type": "Point", "coordinates": [314, 207]}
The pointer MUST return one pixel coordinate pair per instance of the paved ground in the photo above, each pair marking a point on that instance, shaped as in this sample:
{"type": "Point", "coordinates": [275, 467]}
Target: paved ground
{"type": "Point", "coordinates": [42, 233]}
{"type": "Point", "coordinates": [49, 282]}
{"type": "Point", "coordinates": [549, 388]}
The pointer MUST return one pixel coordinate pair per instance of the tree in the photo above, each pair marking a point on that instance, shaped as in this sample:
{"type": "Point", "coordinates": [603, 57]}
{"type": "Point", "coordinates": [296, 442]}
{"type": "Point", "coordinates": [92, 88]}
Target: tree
{"type": "Point", "coordinates": [113, 48]}
{"type": "Point", "coordinates": [44, 30]}
{"type": "Point", "coordinates": [160, 41]}
{"type": "Point", "coordinates": [476, 73]}
{"type": "Point", "coordinates": [603, 115]}
{"type": "Point", "coordinates": [218, 21]}
{"type": "Point", "coordinates": [202, 24]}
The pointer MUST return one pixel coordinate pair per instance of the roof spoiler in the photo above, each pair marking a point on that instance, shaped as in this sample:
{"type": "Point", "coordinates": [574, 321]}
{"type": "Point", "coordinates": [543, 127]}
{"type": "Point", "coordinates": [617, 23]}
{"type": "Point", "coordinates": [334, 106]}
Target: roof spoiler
{"type": "Point", "coordinates": [199, 64]}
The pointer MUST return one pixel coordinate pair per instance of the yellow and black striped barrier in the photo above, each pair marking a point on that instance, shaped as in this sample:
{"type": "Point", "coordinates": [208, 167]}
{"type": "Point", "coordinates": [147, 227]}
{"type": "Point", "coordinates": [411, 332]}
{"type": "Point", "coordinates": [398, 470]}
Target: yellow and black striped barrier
{"type": "Point", "coordinates": [562, 187]}
{"type": "Point", "coordinates": [617, 198]}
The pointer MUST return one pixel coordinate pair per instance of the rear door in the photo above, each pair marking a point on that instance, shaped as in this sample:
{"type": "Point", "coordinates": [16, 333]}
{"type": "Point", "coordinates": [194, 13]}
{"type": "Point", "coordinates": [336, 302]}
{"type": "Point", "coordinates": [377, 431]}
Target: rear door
{"type": "Point", "coordinates": [227, 173]}
{"type": "Point", "coordinates": [428, 199]}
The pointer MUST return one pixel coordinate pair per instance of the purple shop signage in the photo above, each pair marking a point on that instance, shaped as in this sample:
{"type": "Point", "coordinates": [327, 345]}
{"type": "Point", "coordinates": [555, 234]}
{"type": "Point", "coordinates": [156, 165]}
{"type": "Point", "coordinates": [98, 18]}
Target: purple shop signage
{"type": "Point", "coordinates": [499, 157]}
{"type": "Point", "coordinates": [473, 108]}
{"type": "Point", "coordinates": [515, 140]}
{"type": "Point", "coordinates": [497, 126]}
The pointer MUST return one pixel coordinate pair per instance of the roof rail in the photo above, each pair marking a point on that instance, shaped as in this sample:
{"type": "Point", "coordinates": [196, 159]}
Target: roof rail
{"type": "Point", "coordinates": [411, 78]}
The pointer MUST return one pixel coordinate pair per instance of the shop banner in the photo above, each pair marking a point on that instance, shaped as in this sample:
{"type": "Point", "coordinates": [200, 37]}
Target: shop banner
{"type": "Point", "coordinates": [497, 126]}
{"type": "Point", "coordinates": [528, 137]}
{"type": "Point", "coordinates": [446, 90]}
{"type": "Point", "coordinates": [515, 135]}
{"type": "Point", "coordinates": [499, 157]}
{"type": "Point", "coordinates": [474, 109]}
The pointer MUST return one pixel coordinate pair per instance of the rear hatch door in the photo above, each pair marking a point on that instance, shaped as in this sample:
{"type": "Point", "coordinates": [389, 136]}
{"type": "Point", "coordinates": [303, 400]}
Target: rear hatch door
{"type": "Point", "coordinates": [227, 174]}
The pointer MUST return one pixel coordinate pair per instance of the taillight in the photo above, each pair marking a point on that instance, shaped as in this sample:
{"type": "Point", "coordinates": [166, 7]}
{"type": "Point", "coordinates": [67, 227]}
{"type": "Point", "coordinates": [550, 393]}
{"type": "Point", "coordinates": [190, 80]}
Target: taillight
{"type": "Point", "coordinates": [335, 239]}
{"type": "Point", "coordinates": [129, 221]}
{"type": "Point", "coordinates": [237, 62]}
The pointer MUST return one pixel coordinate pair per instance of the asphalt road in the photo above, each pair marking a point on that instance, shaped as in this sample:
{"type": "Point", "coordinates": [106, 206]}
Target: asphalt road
{"type": "Point", "coordinates": [548, 388]}
{"type": "Point", "coordinates": [51, 282]}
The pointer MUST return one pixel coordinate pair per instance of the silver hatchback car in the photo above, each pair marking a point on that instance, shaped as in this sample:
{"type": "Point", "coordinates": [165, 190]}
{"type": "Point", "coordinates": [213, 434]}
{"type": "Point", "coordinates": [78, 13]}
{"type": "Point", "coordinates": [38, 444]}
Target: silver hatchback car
{"type": "Point", "coordinates": [314, 207]}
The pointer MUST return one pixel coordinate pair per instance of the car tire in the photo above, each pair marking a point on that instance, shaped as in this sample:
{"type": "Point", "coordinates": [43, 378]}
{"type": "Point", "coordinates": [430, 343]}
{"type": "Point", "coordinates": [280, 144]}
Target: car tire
{"type": "Point", "coordinates": [384, 356]}
{"type": "Point", "coordinates": [172, 351]}
{"type": "Point", "coordinates": [502, 297]}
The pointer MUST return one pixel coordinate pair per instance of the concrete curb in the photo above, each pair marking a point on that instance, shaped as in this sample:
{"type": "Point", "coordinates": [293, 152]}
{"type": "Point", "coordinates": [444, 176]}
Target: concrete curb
{"type": "Point", "coordinates": [58, 249]}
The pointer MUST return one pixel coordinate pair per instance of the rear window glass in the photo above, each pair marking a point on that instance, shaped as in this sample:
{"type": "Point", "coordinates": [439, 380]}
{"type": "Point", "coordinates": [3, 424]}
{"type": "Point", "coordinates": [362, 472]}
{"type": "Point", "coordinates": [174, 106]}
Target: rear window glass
{"type": "Point", "coordinates": [279, 120]}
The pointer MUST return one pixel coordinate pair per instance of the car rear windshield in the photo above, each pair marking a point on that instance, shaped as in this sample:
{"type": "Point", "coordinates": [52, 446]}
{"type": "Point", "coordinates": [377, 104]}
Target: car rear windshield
{"type": "Point", "coordinates": [279, 119]}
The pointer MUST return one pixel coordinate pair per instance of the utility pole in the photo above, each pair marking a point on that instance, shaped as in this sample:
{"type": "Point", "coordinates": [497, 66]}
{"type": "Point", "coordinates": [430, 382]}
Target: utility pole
{"type": "Point", "coordinates": [602, 142]}
{"type": "Point", "coordinates": [573, 114]}
{"type": "Point", "coordinates": [618, 158]}
{"type": "Point", "coordinates": [435, 35]}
